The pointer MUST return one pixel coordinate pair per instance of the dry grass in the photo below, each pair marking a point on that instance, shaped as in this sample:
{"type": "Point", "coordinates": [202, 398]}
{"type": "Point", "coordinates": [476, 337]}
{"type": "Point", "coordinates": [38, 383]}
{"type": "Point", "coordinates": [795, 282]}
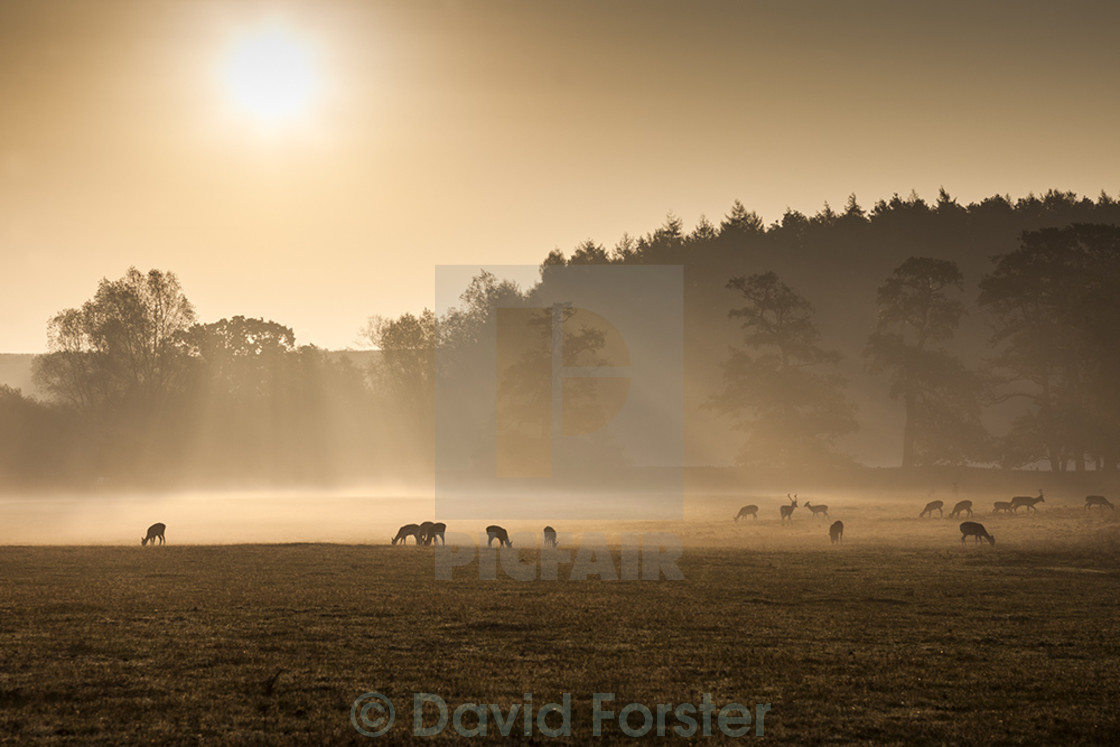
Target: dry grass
{"type": "Point", "coordinates": [899, 636]}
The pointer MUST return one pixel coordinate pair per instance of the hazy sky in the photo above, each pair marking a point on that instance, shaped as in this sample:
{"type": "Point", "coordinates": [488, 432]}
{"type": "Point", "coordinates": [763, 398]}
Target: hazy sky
{"type": "Point", "coordinates": [477, 132]}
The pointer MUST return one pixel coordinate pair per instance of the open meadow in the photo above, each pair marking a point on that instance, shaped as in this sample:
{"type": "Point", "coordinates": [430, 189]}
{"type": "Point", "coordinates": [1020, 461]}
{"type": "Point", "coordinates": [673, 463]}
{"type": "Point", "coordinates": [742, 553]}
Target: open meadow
{"type": "Point", "coordinates": [898, 635]}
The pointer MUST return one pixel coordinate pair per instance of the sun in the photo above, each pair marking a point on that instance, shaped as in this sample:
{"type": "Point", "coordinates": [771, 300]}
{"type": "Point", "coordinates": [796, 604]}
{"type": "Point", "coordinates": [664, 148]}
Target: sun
{"type": "Point", "coordinates": [270, 75]}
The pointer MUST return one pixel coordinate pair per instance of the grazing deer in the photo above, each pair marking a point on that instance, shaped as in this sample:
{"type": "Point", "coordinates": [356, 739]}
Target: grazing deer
{"type": "Point", "coordinates": [1020, 501]}
{"type": "Point", "coordinates": [154, 531]}
{"type": "Point", "coordinates": [787, 511]}
{"type": "Point", "coordinates": [751, 510]}
{"type": "Point", "coordinates": [1004, 506]}
{"type": "Point", "coordinates": [962, 506]}
{"type": "Point", "coordinates": [818, 510]}
{"type": "Point", "coordinates": [430, 530]}
{"type": "Point", "coordinates": [1098, 500]}
{"type": "Point", "coordinates": [972, 529]}
{"type": "Point", "coordinates": [495, 532]}
{"type": "Point", "coordinates": [836, 532]}
{"type": "Point", "coordinates": [549, 537]}
{"type": "Point", "coordinates": [931, 507]}
{"type": "Point", "coordinates": [408, 530]}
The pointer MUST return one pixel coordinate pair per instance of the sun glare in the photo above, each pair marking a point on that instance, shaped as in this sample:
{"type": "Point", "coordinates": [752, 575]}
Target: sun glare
{"type": "Point", "coordinates": [270, 76]}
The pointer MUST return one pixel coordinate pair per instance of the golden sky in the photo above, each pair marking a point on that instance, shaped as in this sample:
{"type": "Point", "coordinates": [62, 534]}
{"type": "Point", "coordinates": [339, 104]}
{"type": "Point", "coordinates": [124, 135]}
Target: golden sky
{"type": "Point", "coordinates": [485, 132]}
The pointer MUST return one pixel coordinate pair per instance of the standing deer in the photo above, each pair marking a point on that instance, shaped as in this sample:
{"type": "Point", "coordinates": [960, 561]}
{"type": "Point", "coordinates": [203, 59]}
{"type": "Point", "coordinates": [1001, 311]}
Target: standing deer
{"type": "Point", "coordinates": [1004, 506]}
{"type": "Point", "coordinates": [425, 536]}
{"type": "Point", "coordinates": [437, 533]}
{"type": "Point", "coordinates": [972, 529]}
{"type": "Point", "coordinates": [787, 511]}
{"type": "Point", "coordinates": [1020, 501]}
{"type": "Point", "coordinates": [154, 531]}
{"type": "Point", "coordinates": [751, 510]}
{"type": "Point", "coordinates": [495, 532]}
{"type": "Point", "coordinates": [836, 532]}
{"type": "Point", "coordinates": [549, 537]}
{"type": "Point", "coordinates": [962, 506]}
{"type": "Point", "coordinates": [1098, 500]}
{"type": "Point", "coordinates": [408, 530]}
{"type": "Point", "coordinates": [931, 507]}
{"type": "Point", "coordinates": [818, 510]}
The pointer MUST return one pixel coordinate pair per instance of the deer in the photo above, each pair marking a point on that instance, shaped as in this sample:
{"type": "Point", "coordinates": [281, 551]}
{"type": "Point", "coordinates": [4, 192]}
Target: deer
{"type": "Point", "coordinates": [549, 537]}
{"type": "Point", "coordinates": [1020, 501]}
{"type": "Point", "coordinates": [962, 506]}
{"type": "Point", "coordinates": [972, 529]}
{"type": "Point", "coordinates": [430, 530]}
{"type": "Point", "coordinates": [751, 510]}
{"type": "Point", "coordinates": [836, 532]}
{"type": "Point", "coordinates": [1004, 506]}
{"type": "Point", "coordinates": [817, 510]}
{"type": "Point", "coordinates": [495, 532]}
{"type": "Point", "coordinates": [1098, 500]}
{"type": "Point", "coordinates": [408, 530]}
{"type": "Point", "coordinates": [154, 531]}
{"type": "Point", "coordinates": [787, 511]}
{"type": "Point", "coordinates": [931, 507]}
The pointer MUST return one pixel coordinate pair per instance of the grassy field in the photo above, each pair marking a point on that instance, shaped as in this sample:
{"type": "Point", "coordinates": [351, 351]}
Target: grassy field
{"type": "Point", "coordinates": [902, 635]}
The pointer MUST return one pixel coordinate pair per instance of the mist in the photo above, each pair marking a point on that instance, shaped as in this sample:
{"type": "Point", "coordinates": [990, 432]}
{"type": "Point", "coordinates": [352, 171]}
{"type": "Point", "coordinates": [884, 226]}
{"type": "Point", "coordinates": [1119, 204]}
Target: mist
{"type": "Point", "coordinates": [820, 351]}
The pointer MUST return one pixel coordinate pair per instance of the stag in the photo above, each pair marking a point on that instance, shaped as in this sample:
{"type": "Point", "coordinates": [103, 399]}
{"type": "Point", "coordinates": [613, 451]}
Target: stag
{"type": "Point", "coordinates": [818, 510]}
{"type": "Point", "coordinates": [408, 530]}
{"type": "Point", "coordinates": [787, 511]}
{"type": "Point", "coordinates": [1004, 506]}
{"type": "Point", "coordinates": [931, 507]}
{"type": "Point", "coordinates": [154, 531]}
{"type": "Point", "coordinates": [549, 537]}
{"type": "Point", "coordinates": [1098, 500]}
{"type": "Point", "coordinates": [962, 506]}
{"type": "Point", "coordinates": [751, 510]}
{"type": "Point", "coordinates": [1020, 501]}
{"type": "Point", "coordinates": [836, 532]}
{"type": "Point", "coordinates": [495, 532]}
{"type": "Point", "coordinates": [972, 529]}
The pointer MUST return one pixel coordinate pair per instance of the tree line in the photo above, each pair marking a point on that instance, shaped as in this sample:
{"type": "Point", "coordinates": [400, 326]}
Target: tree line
{"type": "Point", "coordinates": [950, 311]}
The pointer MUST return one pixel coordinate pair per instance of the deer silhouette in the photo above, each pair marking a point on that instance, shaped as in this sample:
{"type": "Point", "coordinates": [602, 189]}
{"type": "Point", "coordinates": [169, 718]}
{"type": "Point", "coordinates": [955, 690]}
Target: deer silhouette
{"type": "Point", "coordinates": [1020, 501]}
{"type": "Point", "coordinates": [154, 531]}
{"type": "Point", "coordinates": [495, 532]}
{"type": "Point", "coordinates": [408, 530]}
{"type": "Point", "coordinates": [818, 510]}
{"type": "Point", "coordinates": [751, 510]}
{"type": "Point", "coordinates": [787, 511]}
{"type": "Point", "coordinates": [961, 507]}
{"type": "Point", "coordinates": [931, 507]}
{"type": "Point", "coordinates": [972, 529]}
{"type": "Point", "coordinates": [1098, 500]}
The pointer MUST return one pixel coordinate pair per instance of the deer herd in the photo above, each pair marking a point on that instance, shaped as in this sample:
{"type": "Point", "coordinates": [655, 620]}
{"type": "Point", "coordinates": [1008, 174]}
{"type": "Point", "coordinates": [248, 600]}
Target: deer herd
{"type": "Point", "coordinates": [960, 508]}
{"type": "Point", "coordinates": [429, 532]}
